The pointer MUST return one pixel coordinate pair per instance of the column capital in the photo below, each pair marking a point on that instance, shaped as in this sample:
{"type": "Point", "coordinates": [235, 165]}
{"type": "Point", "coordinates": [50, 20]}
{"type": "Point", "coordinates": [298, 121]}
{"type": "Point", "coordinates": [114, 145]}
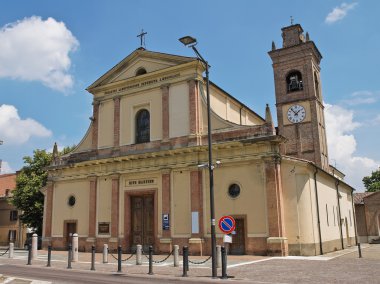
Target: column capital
{"type": "Point", "coordinates": [92, 178]}
{"type": "Point", "coordinates": [165, 86]}
{"type": "Point", "coordinates": [114, 176]}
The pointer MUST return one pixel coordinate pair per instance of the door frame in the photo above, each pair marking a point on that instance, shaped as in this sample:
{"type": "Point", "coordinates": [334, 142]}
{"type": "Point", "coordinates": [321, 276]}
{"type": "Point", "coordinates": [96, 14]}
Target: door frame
{"type": "Point", "coordinates": [128, 215]}
{"type": "Point", "coordinates": [65, 222]}
{"type": "Point", "coordinates": [244, 217]}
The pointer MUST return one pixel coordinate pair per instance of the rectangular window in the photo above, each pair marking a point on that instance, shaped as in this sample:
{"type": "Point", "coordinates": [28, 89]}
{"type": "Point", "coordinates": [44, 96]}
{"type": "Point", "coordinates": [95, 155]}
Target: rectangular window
{"type": "Point", "coordinates": [337, 216]}
{"type": "Point", "coordinates": [13, 215]}
{"type": "Point", "coordinates": [12, 235]}
{"type": "Point", "coordinates": [334, 215]}
{"type": "Point", "coordinates": [349, 214]}
{"type": "Point", "coordinates": [327, 215]}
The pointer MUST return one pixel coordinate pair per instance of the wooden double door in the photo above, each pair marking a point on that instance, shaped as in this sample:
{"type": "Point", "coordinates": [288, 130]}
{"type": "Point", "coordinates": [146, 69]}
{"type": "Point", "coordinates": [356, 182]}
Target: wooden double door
{"type": "Point", "coordinates": [142, 215]}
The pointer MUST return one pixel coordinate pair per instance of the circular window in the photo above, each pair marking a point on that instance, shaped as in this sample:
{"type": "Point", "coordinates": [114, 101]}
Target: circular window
{"type": "Point", "coordinates": [234, 190]}
{"type": "Point", "coordinates": [71, 200]}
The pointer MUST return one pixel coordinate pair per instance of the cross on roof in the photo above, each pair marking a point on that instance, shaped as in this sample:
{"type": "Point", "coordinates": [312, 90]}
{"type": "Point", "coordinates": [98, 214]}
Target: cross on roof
{"type": "Point", "coordinates": [142, 37]}
{"type": "Point", "coordinates": [291, 20]}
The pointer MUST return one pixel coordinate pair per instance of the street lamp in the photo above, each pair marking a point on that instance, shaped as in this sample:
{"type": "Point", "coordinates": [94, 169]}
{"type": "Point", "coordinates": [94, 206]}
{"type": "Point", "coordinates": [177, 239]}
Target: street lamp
{"type": "Point", "coordinates": [191, 42]}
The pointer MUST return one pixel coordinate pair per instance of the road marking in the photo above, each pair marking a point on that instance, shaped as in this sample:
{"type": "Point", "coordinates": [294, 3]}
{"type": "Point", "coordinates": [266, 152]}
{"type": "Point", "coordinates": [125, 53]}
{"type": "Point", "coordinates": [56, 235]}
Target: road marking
{"type": "Point", "coordinates": [248, 262]}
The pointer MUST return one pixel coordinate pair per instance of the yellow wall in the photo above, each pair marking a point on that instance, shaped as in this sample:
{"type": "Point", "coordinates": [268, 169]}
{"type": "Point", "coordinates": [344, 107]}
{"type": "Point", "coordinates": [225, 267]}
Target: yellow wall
{"type": "Point", "coordinates": [130, 105]}
{"type": "Point", "coordinates": [104, 194]}
{"type": "Point", "coordinates": [179, 110]}
{"type": "Point", "coordinates": [61, 211]}
{"type": "Point", "coordinates": [250, 202]}
{"type": "Point", "coordinates": [105, 130]}
{"type": "Point", "coordinates": [181, 199]}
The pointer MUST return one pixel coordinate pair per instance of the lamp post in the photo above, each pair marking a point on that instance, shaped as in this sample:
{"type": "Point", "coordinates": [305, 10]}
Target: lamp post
{"type": "Point", "coordinates": [191, 42]}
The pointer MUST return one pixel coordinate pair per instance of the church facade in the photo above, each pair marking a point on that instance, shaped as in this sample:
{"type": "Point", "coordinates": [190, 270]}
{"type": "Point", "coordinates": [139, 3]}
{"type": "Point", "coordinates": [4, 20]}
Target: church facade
{"type": "Point", "coordinates": [137, 177]}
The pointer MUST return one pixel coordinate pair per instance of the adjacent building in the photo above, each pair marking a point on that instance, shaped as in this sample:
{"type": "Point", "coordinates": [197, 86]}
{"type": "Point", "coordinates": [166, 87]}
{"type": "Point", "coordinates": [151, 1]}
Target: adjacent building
{"type": "Point", "coordinates": [137, 177]}
{"type": "Point", "coordinates": [11, 228]}
{"type": "Point", "coordinates": [367, 208]}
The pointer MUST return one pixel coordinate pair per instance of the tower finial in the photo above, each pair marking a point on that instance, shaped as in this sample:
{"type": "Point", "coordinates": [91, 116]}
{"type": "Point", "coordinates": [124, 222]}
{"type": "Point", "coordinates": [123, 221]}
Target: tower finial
{"type": "Point", "coordinates": [291, 20]}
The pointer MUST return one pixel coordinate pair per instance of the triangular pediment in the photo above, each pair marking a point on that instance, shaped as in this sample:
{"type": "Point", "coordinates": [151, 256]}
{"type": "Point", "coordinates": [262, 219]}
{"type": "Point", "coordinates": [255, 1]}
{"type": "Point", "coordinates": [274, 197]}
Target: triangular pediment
{"type": "Point", "coordinates": [139, 59]}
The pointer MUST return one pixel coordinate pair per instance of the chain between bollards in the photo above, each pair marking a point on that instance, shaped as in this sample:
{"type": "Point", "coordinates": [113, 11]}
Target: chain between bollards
{"type": "Point", "coordinates": [150, 260]}
{"type": "Point", "coordinates": [119, 259]}
{"type": "Point", "coordinates": [92, 257]}
{"type": "Point", "coordinates": [360, 250]}
{"type": "Point", "coordinates": [29, 254]}
{"type": "Point", "coordinates": [49, 257]}
{"type": "Point", "coordinates": [185, 255]}
{"type": "Point", "coordinates": [69, 257]}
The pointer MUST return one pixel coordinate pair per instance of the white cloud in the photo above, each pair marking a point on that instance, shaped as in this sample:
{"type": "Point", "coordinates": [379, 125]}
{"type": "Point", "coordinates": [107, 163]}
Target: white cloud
{"type": "Point", "coordinates": [363, 97]}
{"type": "Point", "coordinates": [37, 50]}
{"type": "Point", "coordinates": [14, 130]}
{"type": "Point", "coordinates": [342, 145]}
{"type": "Point", "coordinates": [5, 168]}
{"type": "Point", "coordinates": [338, 13]}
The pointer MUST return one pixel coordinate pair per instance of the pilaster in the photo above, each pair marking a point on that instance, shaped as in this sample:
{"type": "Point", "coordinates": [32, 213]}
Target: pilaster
{"type": "Point", "coordinates": [166, 200]}
{"type": "Point", "coordinates": [116, 122]}
{"type": "Point", "coordinates": [115, 206]}
{"type": "Point", "coordinates": [277, 243]}
{"type": "Point", "coordinates": [193, 106]}
{"type": "Point", "coordinates": [49, 208]}
{"type": "Point", "coordinates": [92, 207]}
{"type": "Point", "coordinates": [165, 111]}
{"type": "Point", "coordinates": [95, 124]}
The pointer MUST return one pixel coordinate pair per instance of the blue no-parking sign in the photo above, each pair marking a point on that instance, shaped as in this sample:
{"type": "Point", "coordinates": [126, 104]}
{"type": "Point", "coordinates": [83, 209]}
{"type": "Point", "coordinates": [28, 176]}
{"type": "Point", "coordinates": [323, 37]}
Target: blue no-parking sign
{"type": "Point", "coordinates": [227, 224]}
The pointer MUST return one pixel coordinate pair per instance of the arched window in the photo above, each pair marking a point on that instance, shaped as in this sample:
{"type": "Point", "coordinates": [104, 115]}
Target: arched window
{"type": "Point", "coordinates": [142, 126]}
{"type": "Point", "coordinates": [316, 84]}
{"type": "Point", "coordinates": [140, 71]}
{"type": "Point", "coordinates": [294, 81]}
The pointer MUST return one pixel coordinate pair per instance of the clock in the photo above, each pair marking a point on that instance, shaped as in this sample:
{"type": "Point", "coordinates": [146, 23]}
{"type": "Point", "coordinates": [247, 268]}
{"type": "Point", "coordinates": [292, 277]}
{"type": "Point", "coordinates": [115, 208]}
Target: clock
{"type": "Point", "coordinates": [296, 113]}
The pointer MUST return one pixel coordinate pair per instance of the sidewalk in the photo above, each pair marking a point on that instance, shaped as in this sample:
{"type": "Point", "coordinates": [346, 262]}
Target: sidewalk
{"type": "Point", "coordinates": [340, 266]}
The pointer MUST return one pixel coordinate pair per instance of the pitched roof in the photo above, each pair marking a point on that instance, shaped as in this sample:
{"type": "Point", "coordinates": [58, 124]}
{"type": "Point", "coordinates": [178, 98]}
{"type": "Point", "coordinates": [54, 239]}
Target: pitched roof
{"type": "Point", "coordinates": [358, 197]}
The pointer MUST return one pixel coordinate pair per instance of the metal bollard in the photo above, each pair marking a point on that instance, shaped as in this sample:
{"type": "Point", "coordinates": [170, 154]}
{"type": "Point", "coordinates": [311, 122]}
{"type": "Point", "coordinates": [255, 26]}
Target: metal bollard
{"type": "Point", "coordinates": [69, 257]}
{"type": "Point", "coordinates": [11, 249]}
{"type": "Point", "coordinates": [105, 253]}
{"type": "Point", "coordinates": [185, 256]}
{"type": "Point", "coordinates": [49, 257]}
{"type": "Point", "coordinates": [218, 256]}
{"type": "Point", "coordinates": [92, 257]}
{"type": "Point", "coordinates": [150, 260]}
{"type": "Point", "coordinates": [75, 254]}
{"type": "Point", "coordinates": [119, 259]}
{"type": "Point", "coordinates": [360, 250]}
{"type": "Point", "coordinates": [34, 246]}
{"type": "Point", "coordinates": [29, 254]}
{"type": "Point", "coordinates": [224, 263]}
{"type": "Point", "coordinates": [138, 255]}
{"type": "Point", "coordinates": [176, 255]}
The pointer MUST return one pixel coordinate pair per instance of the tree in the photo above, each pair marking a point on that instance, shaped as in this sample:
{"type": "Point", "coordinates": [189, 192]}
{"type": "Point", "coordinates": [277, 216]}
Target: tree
{"type": "Point", "coordinates": [31, 178]}
{"type": "Point", "coordinates": [372, 183]}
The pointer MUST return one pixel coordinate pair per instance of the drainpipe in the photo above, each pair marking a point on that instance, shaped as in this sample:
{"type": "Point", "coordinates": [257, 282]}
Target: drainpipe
{"type": "Point", "coordinates": [354, 216]}
{"type": "Point", "coordinates": [340, 216]}
{"type": "Point", "coordinates": [319, 220]}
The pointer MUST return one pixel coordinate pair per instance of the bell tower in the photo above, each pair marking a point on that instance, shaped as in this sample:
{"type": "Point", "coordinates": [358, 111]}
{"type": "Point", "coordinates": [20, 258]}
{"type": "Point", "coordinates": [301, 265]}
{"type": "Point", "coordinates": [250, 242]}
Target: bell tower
{"type": "Point", "coordinates": [300, 110]}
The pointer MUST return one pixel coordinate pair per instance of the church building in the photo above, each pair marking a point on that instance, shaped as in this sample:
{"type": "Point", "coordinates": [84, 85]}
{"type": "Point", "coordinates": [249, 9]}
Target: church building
{"type": "Point", "coordinates": [137, 176]}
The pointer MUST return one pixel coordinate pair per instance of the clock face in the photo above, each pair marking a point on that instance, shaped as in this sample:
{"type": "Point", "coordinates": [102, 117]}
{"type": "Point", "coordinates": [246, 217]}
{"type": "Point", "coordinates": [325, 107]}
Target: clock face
{"type": "Point", "coordinates": [296, 113]}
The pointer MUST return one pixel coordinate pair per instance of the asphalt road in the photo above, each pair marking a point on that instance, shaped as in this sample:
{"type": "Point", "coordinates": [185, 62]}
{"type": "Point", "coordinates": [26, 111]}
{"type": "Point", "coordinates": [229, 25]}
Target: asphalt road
{"type": "Point", "coordinates": [26, 274]}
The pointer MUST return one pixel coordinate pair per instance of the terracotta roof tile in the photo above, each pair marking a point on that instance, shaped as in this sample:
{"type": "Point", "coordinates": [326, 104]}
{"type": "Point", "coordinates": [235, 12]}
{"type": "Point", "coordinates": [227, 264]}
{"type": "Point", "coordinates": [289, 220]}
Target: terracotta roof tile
{"type": "Point", "coordinates": [358, 197]}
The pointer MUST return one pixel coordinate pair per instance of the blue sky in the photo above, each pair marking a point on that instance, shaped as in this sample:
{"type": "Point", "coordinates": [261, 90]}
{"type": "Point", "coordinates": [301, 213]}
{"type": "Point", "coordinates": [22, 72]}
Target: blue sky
{"type": "Point", "coordinates": [50, 51]}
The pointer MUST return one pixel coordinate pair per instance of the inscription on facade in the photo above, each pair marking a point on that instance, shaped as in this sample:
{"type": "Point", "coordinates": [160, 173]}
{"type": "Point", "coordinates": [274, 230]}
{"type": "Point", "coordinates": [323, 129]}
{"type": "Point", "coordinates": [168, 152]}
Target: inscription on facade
{"type": "Point", "coordinates": [143, 84]}
{"type": "Point", "coordinates": [140, 182]}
